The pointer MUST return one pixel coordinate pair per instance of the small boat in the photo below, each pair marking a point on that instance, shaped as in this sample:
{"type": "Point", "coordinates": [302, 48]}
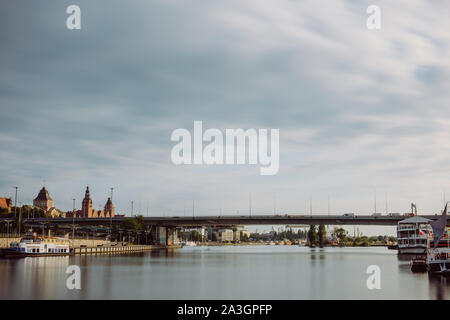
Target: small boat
{"type": "Point", "coordinates": [189, 244]}
{"type": "Point", "coordinates": [33, 246]}
{"type": "Point", "coordinates": [419, 264]}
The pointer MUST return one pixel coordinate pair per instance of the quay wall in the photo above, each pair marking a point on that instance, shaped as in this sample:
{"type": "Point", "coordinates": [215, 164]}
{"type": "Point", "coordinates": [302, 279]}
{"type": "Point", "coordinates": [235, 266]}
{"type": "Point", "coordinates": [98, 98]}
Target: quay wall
{"type": "Point", "coordinates": [5, 242]}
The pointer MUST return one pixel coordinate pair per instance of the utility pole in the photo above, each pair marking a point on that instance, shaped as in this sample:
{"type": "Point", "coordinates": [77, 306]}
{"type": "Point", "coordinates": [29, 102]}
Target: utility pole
{"type": "Point", "coordinates": [310, 205]}
{"type": "Point", "coordinates": [375, 201]}
{"type": "Point", "coordinates": [110, 215]}
{"type": "Point", "coordinates": [193, 216]}
{"type": "Point", "coordinates": [73, 220]}
{"type": "Point", "coordinates": [20, 217]}
{"type": "Point", "coordinates": [386, 203]}
{"type": "Point", "coordinates": [250, 205]}
{"type": "Point", "coordinates": [328, 204]}
{"type": "Point", "coordinates": [275, 204]}
{"type": "Point", "coordinates": [132, 208]}
{"type": "Point", "coordinates": [15, 203]}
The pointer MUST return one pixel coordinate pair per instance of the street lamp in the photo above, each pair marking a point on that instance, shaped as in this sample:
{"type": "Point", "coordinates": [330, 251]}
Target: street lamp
{"type": "Point", "coordinates": [20, 217]}
{"type": "Point", "coordinates": [15, 203]}
{"type": "Point", "coordinates": [73, 220]}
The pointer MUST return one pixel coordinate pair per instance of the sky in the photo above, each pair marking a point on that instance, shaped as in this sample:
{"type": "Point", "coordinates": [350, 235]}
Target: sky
{"type": "Point", "coordinates": [362, 114]}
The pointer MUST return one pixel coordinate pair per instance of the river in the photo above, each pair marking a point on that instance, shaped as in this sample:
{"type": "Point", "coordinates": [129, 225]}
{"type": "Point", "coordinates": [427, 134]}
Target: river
{"type": "Point", "coordinates": [226, 272]}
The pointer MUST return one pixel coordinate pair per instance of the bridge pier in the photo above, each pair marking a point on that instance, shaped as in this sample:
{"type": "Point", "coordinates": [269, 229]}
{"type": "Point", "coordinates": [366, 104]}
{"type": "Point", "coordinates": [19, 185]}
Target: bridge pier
{"type": "Point", "coordinates": [165, 235]}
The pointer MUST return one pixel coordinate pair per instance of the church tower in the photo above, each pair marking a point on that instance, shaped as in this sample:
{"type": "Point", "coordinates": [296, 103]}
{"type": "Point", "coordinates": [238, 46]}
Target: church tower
{"type": "Point", "coordinates": [109, 208]}
{"type": "Point", "coordinates": [86, 206]}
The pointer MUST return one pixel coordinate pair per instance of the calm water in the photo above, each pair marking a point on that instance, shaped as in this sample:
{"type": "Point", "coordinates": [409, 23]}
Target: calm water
{"type": "Point", "coordinates": [244, 272]}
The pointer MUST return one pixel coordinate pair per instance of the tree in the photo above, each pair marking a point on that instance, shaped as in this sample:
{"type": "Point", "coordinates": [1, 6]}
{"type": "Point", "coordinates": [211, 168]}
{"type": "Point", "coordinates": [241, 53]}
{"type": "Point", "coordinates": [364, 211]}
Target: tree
{"type": "Point", "coordinates": [340, 234]}
{"type": "Point", "coordinates": [312, 235]}
{"type": "Point", "coordinates": [322, 234]}
{"type": "Point", "coordinates": [135, 224]}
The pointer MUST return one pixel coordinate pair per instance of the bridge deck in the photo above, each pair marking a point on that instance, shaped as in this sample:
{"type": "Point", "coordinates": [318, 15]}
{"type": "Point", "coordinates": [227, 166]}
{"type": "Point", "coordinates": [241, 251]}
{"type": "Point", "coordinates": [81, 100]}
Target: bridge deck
{"type": "Point", "coordinates": [236, 220]}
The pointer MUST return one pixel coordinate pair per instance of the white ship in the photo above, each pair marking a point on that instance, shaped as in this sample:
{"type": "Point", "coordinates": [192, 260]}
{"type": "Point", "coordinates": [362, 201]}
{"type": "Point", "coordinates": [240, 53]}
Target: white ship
{"type": "Point", "coordinates": [438, 259]}
{"type": "Point", "coordinates": [412, 235]}
{"type": "Point", "coordinates": [31, 245]}
{"type": "Point", "coordinates": [438, 248]}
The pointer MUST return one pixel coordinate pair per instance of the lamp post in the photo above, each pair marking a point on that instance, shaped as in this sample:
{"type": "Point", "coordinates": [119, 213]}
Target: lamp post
{"type": "Point", "coordinates": [15, 203]}
{"type": "Point", "coordinates": [20, 217]}
{"type": "Point", "coordinates": [73, 220]}
{"type": "Point", "coordinates": [110, 215]}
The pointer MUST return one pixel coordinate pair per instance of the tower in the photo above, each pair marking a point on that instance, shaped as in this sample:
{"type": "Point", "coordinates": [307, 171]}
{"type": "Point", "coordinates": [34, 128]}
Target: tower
{"type": "Point", "coordinates": [43, 200]}
{"type": "Point", "coordinates": [109, 208]}
{"type": "Point", "coordinates": [86, 205]}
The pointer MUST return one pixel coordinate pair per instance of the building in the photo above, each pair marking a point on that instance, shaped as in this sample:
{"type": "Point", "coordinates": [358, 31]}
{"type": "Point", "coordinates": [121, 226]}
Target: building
{"type": "Point", "coordinates": [43, 200]}
{"type": "Point", "coordinates": [46, 203]}
{"type": "Point", "coordinates": [225, 235]}
{"type": "Point", "coordinates": [87, 211]}
{"type": "Point", "coordinates": [245, 234]}
{"type": "Point", "coordinates": [5, 205]}
{"type": "Point", "coordinates": [237, 235]}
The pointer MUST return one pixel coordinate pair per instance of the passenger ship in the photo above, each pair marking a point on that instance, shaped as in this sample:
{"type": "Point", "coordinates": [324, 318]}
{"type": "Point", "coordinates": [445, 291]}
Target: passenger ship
{"type": "Point", "coordinates": [438, 259]}
{"type": "Point", "coordinates": [412, 235]}
{"type": "Point", "coordinates": [31, 245]}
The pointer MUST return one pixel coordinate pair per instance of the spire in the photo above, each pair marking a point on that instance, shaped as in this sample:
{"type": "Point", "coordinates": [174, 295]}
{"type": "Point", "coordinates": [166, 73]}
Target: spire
{"type": "Point", "coordinates": [87, 195]}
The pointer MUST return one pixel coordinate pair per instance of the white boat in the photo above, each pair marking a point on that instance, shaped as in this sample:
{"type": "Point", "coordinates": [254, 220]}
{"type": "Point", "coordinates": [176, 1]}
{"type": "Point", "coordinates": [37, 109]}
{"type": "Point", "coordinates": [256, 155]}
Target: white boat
{"type": "Point", "coordinates": [32, 245]}
{"type": "Point", "coordinates": [412, 235]}
{"type": "Point", "coordinates": [438, 259]}
{"type": "Point", "coordinates": [189, 244]}
{"type": "Point", "coordinates": [438, 246]}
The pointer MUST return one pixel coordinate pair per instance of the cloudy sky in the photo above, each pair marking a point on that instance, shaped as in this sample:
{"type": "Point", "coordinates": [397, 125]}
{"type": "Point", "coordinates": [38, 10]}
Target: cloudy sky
{"type": "Point", "coordinates": [360, 112]}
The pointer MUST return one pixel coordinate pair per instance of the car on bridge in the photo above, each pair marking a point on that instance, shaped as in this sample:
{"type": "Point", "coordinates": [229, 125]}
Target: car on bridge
{"type": "Point", "coordinates": [350, 215]}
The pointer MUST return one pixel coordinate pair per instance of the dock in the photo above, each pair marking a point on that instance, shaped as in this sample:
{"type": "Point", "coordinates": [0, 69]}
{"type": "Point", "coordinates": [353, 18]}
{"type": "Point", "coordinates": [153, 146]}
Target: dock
{"type": "Point", "coordinates": [116, 249]}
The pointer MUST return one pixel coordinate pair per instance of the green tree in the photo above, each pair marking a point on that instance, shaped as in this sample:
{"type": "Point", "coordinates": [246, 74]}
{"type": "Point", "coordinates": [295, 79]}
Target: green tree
{"type": "Point", "coordinates": [340, 234]}
{"type": "Point", "coordinates": [312, 235]}
{"type": "Point", "coordinates": [135, 224]}
{"type": "Point", "coordinates": [321, 235]}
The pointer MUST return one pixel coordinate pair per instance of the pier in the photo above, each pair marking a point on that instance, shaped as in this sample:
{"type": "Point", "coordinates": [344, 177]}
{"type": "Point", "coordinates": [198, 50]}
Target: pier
{"type": "Point", "coordinates": [116, 249]}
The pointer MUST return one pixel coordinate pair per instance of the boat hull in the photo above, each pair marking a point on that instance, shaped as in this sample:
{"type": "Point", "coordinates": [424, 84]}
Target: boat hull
{"type": "Point", "coordinates": [8, 253]}
{"type": "Point", "coordinates": [412, 250]}
{"type": "Point", "coordinates": [439, 268]}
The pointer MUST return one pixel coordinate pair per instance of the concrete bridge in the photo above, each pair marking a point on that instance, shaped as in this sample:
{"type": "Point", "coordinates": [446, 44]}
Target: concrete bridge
{"type": "Point", "coordinates": [164, 229]}
{"type": "Point", "coordinates": [217, 221]}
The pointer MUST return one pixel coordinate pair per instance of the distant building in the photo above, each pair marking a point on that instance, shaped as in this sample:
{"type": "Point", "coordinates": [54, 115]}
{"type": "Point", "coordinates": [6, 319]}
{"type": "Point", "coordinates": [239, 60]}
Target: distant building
{"type": "Point", "coordinates": [244, 233]}
{"type": "Point", "coordinates": [88, 212]}
{"type": "Point", "coordinates": [225, 235]}
{"type": "Point", "coordinates": [6, 203]}
{"type": "Point", "coordinates": [237, 235]}
{"type": "Point", "coordinates": [46, 203]}
{"type": "Point", "coordinates": [43, 200]}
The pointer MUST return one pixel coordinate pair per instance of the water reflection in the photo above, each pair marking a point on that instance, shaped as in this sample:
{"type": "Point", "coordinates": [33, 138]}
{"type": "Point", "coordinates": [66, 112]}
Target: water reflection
{"type": "Point", "coordinates": [244, 272]}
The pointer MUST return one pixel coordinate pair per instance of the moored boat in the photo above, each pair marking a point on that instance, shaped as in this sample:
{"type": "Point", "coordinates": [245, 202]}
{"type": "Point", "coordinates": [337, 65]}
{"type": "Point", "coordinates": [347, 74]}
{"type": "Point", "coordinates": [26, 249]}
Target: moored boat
{"type": "Point", "coordinates": [438, 246]}
{"type": "Point", "coordinates": [31, 246]}
{"type": "Point", "coordinates": [419, 264]}
{"type": "Point", "coordinates": [412, 235]}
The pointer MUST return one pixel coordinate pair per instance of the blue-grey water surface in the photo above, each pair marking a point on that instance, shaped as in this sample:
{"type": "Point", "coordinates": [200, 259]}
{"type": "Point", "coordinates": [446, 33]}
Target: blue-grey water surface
{"type": "Point", "coordinates": [227, 272]}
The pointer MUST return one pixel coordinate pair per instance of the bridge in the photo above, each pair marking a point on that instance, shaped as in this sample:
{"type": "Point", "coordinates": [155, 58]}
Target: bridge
{"type": "Point", "coordinates": [231, 220]}
{"type": "Point", "coordinates": [163, 229]}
